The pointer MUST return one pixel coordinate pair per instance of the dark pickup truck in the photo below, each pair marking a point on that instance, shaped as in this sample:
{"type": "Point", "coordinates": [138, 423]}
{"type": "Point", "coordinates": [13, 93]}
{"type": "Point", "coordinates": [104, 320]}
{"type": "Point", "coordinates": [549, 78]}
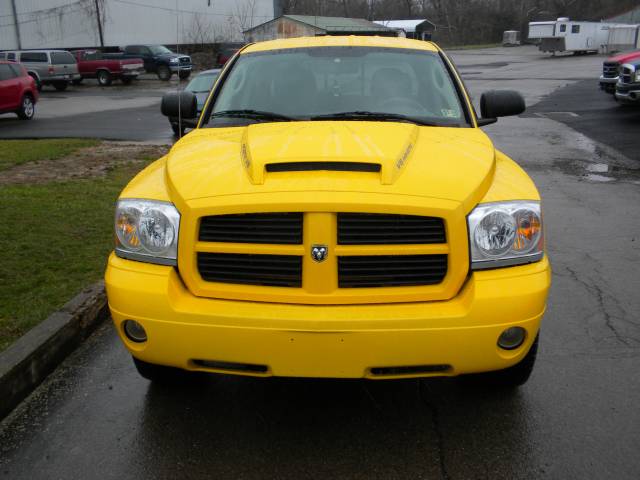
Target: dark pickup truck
{"type": "Point", "coordinates": [628, 86]}
{"type": "Point", "coordinates": [160, 60]}
{"type": "Point", "coordinates": [106, 68]}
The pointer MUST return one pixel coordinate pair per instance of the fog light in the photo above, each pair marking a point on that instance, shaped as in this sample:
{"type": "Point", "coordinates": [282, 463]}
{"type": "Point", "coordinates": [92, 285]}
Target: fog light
{"type": "Point", "coordinates": [134, 331]}
{"type": "Point", "coordinates": [512, 338]}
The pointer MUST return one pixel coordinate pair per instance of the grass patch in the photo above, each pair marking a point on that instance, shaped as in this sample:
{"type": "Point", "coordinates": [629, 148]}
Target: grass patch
{"type": "Point", "coordinates": [55, 239]}
{"type": "Point", "coordinates": [17, 152]}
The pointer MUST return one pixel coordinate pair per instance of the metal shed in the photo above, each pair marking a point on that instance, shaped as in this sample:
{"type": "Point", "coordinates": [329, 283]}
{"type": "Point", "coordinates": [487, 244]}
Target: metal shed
{"type": "Point", "coordinates": [288, 26]}
{"type": "Point", "coordinates": [420, 29]}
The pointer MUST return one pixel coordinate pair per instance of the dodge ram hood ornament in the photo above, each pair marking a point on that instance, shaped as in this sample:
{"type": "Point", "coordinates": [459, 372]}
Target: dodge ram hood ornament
{"type": "Point", "coordinates": [319, 253]}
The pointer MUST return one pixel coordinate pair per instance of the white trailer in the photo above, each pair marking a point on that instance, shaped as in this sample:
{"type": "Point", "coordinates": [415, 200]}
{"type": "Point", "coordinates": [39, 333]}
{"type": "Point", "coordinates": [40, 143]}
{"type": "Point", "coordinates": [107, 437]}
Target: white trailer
{"type": "Point", "coordinates": [623, 38]}
{"type": "Point", "coordinates": [564, 35]}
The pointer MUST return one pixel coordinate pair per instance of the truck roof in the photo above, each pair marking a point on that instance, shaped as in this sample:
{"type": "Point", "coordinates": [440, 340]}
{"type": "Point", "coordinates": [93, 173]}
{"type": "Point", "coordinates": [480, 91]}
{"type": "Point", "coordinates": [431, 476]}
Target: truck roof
{"type": "Point", "coordinates": [341, 41]}
{"type": "Point", "coordinates": [624, 57]}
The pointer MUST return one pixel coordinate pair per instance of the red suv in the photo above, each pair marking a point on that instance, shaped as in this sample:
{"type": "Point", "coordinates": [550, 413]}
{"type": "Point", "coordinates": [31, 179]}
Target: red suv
{"type": "Point", "coordinates": [18, 92]}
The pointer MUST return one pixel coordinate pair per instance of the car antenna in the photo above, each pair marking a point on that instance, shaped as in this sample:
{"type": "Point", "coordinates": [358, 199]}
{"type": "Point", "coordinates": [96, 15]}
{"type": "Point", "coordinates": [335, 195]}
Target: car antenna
{"type": "Point", "coordinates": [178, 87]}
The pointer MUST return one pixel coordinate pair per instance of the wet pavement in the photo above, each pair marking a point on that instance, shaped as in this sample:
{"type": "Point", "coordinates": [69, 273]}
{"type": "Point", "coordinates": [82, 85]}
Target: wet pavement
{"type": "Point", "coordinates": [577, 417]}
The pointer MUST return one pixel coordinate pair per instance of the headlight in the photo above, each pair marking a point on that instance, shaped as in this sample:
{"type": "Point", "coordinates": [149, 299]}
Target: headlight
{"type": "Point", "coordinates": [147, 230]}
{"type": "Point", "coordinates": [503, 234]}
{"type": "Point", "coordinates": [174, 60]}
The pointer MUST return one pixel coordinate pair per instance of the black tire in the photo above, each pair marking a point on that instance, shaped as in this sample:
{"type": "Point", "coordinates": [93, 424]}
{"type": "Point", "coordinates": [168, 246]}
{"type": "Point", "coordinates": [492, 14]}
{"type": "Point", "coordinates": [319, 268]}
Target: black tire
{"type": "Point", "coordinates": [104, 78]}
{"type": "Point", "coordinates": [38, 82]}
{"type": "Point", "coordinates": [77, 81]}
{"type": "Point", "coordinates": [126, 80]}
{"type": "Point", "coordinates": [184, 74]}
{"type": "Point", "coordinates": [158, 373]}
{"type": "Point", "coordinates": [511, 377]}
{"type": "Point", "coordinates": [178, 130]}
{"type": "Point", "coordinates": [60, 86]}
{"type": "Point", "coordinates": [27, 108]}
{"type": "Point", "coordinates": [164, 73]}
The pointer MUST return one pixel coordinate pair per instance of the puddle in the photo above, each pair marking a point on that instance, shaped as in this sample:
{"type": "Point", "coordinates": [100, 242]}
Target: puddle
{"type": "Point", "coordinates": [598, 178]}
{"type": "Point", "coordinates": [598, 172]}
{"type": "Point", "coordinates": [597, 168]}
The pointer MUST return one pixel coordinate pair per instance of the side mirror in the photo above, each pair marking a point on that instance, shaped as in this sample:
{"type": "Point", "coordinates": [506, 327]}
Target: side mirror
{"type": "Point", "coordinates": [181, 104]}
{"type": "Point", "coordinates": [500, 103]}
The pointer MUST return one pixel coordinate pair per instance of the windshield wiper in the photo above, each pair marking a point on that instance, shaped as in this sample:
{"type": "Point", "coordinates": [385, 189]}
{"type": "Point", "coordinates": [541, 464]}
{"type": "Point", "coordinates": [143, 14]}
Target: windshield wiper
{"type": "Point", "coordinates": [257, 114]}
{"type": "Point", "coordinates": [380, 116]}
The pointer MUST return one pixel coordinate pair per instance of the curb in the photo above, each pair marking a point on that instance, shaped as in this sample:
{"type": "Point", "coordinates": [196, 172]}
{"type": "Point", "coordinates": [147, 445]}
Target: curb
{"type": "Point", "coordinates": [28, 361]}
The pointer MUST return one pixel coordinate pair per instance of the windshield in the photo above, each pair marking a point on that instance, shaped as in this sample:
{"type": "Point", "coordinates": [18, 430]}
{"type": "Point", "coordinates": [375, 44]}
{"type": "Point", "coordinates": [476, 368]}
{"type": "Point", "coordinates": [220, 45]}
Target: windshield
{"type": "Point", "coordinates": [202, 83]}
{"type": "Point", "coordinates": [160, 50]}
{"type": "Point", "coordinates": [348, 83]}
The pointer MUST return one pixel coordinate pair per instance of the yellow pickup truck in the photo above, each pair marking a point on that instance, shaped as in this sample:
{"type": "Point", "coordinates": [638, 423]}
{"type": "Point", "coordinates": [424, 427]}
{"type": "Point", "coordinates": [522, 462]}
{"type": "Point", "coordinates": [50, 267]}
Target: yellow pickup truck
{"type": "Point", "coordinates": [336, 213]}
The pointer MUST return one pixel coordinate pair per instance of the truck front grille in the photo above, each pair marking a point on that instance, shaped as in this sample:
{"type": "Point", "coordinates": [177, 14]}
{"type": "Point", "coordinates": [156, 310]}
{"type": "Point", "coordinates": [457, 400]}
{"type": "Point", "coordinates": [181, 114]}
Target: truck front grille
{"type": "Point", "coordinates": [359, 251]}
{"type": "Point", "coordinates": [610, 69]}
{"type": "Point", "coordinates": [271, 228]}
{"type": "Point", "coordinates": [380, 229]}
{"type": "Point", "coordinates": [251, 269]}
{"type": "Point", "coordinates": [391, 270]}
{"type": "Point", "coordinates": [626, 74]}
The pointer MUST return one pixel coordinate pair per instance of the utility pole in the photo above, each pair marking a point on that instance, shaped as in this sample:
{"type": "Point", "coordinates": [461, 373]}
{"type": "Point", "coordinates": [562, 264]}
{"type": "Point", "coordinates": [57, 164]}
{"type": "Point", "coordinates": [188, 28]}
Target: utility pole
{"type": "Point", "coordinates": [99, 22]}
{"type": "Point", "coordinates": [16, 23]}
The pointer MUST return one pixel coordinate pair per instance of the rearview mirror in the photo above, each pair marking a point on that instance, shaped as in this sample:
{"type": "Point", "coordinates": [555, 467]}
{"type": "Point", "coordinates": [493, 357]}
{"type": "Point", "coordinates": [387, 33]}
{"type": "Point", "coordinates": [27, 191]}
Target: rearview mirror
{"type": "Point", "coordinates": [180, 104]}
{"type": "Point", "coordinates": [500, 103]}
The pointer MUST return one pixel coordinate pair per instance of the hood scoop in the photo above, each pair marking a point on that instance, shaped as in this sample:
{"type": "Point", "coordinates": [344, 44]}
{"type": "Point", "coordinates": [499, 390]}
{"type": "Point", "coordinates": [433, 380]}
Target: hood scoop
{"type": "Point", "coordinates": [382, 149]}
{"type": "Point", "coordinates": [327, 166]}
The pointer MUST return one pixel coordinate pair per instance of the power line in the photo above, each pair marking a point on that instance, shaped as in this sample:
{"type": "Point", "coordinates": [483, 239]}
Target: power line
{"type": "Point", "coordinates": [172, 10]}
{"type": "Point", "coordinates": [44, 17]}
{"type": "Point", "coordinates": [33, 12]}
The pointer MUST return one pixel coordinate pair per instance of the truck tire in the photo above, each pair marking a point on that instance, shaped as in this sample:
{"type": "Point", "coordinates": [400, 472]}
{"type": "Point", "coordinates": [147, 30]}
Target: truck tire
{"type": "Point", "coordinates": [104, 78]}
{"type": "Point", "coordinates": [60, 86]}
{"type": "Point", "coordinates": [27, 108]}
{"type": "Point", "coordinates": [184, 74]}
{"type": "Point", "coordinates": [164, 73]}
{"type": "Point", "coordinates": [37, 80]}
{"type": "Point", "coordinates": [511, 377]}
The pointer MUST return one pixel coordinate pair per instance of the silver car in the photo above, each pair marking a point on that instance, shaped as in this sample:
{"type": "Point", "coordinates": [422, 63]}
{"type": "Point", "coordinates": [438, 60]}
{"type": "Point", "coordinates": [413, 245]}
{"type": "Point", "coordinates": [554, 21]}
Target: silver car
{"type": "Point", "coordinates": [47, 67]}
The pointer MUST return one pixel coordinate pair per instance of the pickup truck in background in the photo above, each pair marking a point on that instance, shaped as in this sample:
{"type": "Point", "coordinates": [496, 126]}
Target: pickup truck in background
{"type": "Point", "coordinates": [105, 68]}
{"type": "Point", "coordinates": [160, 60]}
{"type": "Point", "coordinates": [611, 70]}
{"type": "Point", "coordinates": [628, 86]}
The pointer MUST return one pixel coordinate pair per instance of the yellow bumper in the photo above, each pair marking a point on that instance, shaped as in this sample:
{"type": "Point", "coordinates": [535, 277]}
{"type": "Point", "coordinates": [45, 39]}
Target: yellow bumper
{"type": "Point", "coordinates": [342, 341]}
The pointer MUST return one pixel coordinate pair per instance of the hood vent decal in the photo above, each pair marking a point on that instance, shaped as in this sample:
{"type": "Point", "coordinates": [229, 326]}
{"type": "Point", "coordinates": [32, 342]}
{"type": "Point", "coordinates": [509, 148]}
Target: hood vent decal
{"type": "Point", "coordinates": [330, 166]}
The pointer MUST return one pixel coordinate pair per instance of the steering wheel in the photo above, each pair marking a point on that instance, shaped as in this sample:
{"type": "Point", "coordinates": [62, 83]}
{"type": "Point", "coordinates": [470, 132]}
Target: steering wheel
{"type": "Point", "coordinates": [403, 105]}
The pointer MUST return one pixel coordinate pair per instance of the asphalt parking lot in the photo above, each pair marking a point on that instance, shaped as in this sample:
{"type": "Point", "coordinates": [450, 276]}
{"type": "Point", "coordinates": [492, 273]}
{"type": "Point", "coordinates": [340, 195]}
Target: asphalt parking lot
{"type": "Point", "coordinates": [577, 417]}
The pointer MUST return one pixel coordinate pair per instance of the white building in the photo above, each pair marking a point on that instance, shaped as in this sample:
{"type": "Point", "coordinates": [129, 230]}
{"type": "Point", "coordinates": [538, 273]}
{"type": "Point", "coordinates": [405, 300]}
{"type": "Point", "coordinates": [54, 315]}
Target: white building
{"type": "Point", "coordinates": [75, 23]}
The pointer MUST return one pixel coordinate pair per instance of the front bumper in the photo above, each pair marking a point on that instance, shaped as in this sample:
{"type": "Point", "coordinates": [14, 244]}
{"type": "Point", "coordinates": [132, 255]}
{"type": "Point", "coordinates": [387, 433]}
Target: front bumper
{"type": "Point", "coordinates": [608, 84]}
{"type": "Point", "coordinates": [628, 93]}
{"type": "Point", "coordinates": [132, 73]}
{"type": "Point", "coordinates": [340, 341]}
{"type": "Point", "coordinates": [180, 68]}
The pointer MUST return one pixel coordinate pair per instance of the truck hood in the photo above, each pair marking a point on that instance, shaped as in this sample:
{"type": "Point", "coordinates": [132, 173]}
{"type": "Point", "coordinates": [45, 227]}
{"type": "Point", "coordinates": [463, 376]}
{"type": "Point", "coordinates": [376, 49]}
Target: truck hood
{"type": "Point", "coordinates": [390, 158]}
{"type": "Point", "coordinates": [624, 57]}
